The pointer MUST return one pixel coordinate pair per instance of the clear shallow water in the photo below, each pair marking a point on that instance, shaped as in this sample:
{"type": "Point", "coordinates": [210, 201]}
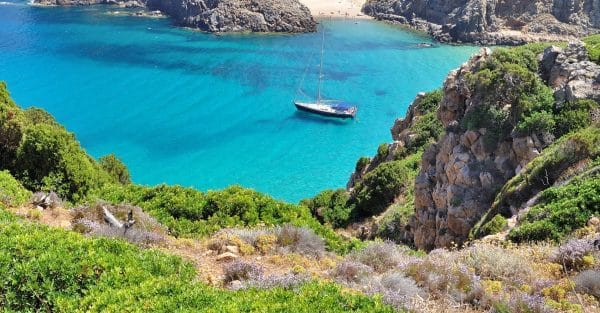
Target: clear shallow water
{"type": "Point", "coordinates": [183, 107]}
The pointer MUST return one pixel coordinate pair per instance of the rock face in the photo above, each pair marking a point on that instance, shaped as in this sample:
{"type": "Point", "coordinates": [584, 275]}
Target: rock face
{"type": "Point", "coordinates": [239, 15]}
{"type": "Point", "coordinates": [492, 21]}
{"type": "Point", "coordinates": [461, 174]}
{"type": "Point", "coordinates": [223, 15]}
{"type": "Point", "coordinates": [571, 74]}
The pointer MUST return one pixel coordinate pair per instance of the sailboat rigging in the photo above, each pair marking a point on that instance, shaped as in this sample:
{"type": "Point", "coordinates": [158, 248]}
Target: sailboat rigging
{"type": "Point", "coordinates": [332, 108]}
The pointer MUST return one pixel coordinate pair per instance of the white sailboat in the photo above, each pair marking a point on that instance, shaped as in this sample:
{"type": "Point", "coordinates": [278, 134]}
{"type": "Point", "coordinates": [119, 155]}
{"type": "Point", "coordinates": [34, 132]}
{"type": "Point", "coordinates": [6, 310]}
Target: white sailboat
{"type": "Point", "coordinates": [331, 108]}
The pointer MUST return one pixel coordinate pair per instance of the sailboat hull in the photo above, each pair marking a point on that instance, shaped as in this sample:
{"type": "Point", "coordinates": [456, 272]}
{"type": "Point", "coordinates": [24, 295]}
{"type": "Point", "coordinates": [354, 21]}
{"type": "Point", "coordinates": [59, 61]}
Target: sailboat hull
{"type": "Point", "coordinates": [325, 110]}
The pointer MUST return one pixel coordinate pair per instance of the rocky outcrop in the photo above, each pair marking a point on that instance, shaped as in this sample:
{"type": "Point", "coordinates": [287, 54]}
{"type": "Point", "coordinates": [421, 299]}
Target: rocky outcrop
{"type": "Point", "coordinates": [223, 15]}
{"type": "Point", "coordinates": [239, 16]}
{"type": "Point", "coordinates": [571, 74]}
{"type": "Point", "coordinates": [485, 22]}
{"type": "Point", "coordinates": [404, 137]}
{"type": "Point", "coordinates": [461, 174]}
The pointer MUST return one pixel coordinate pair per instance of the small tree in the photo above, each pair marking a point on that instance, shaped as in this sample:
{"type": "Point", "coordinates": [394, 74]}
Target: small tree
{"type": "Point", "coordinates": [115, 168]}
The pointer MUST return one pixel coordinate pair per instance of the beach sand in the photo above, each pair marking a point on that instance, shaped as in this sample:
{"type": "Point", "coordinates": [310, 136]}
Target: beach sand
{"type": "Point", "coordinates": [335, 8]}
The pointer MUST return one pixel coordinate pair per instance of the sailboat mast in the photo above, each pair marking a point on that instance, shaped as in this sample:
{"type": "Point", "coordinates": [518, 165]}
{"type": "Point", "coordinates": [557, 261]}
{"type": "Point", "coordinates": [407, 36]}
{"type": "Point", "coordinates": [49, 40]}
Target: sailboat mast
{"type": "Point", "coordinates": [321, 69]}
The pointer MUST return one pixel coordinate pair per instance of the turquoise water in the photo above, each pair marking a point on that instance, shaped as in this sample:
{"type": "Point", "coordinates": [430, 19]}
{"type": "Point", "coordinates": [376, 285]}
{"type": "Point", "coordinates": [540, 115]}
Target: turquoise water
{"type": "Point", "coordinates": [184, 107]}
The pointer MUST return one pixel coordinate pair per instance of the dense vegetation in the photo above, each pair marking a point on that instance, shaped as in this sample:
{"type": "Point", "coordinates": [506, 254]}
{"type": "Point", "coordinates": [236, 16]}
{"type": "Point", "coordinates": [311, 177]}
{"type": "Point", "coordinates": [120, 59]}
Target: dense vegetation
{"type": "Point", "coordinates": [381, 186]}
{"type": "Point", "coordinates": [387, 186]}
{"type": "Point", "coordinates": [43, 155]}
{"type": "Point", "coordinates": [190, 213]}
{"type": "Point", "coordinates": [573, 152]}
{"type": "Point", "coordinates": [560, 211]}
{"type": "Point", "coordinates": [12, 193]}
{"type": "Point", "coordinates": [45, 269]}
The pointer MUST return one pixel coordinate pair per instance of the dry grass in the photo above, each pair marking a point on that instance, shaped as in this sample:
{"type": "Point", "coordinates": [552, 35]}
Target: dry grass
{"type": "Point", "coordinates": [483, 277]}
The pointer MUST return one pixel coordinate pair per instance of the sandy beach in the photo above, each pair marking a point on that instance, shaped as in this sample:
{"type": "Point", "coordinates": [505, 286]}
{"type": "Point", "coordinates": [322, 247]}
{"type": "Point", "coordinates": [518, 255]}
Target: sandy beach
{"type": "Point", "coordinates": [335, 8]}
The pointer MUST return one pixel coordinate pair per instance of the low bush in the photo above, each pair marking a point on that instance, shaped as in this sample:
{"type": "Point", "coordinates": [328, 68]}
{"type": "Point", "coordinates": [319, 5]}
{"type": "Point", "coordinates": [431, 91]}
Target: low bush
{"type": "Point", "coordinates": [443, 275]}
{"type": "Point", "coordinates": [560, 211]}
{"type": "Point", "coordinates": [286, 281]}
{"type": "Point", "coordinates": [190, 213]}
{"type": "Point", "coordinates": [381, 186]}
{"type": "Point", "coordinates": [575, 254]}
{"type": "Point", "coordinates": [381, 256]}
{"type": "Point", "coordinates": [350, 272]}
{"type": "Point", "coordinates": [299, 240]}
{"type": "Point", "coordinates": [12, 193]}
{"type": "Point", "coordinates": [496, 263]}
{"type": "Point", "coordinates": [430, 102]}
{"type": "Point", "coordinates": [45, 269]}
{"type": "Point", "coordinates": [331, 207]}
{"type": "Point", "coordinates": [588, 282]}
{"type": "Point", "coordinates": [115, 167]}
{"type": "Point", "coordinates": [241, 270]}
{"type": "Point", "coordinates": [398, 290]}
{"type": "Point", "coordinates": [573, 116]}
{"type": "Point", "coordinates": [494, 226]}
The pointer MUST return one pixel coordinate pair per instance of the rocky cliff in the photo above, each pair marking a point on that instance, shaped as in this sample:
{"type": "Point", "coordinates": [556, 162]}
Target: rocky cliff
{"type": "Point", "coordinates": [499, 112]}
{"type": "Point", "coordinates": [492, 21]}
{"type": "Point", "coordinates": [223, 15]}
{"type": "Point", "coordinates": [462, 173]}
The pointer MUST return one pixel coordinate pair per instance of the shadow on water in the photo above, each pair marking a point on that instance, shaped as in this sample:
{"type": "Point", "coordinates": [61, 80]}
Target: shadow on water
{"type": "Point", "coordinates": [319, 119]}
{"type": "Point", "coordinates": [251, 74]}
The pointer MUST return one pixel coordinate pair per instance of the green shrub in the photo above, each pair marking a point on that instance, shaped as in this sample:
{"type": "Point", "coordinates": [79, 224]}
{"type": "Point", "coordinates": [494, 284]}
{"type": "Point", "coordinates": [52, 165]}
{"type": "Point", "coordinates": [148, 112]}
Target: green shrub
{"type": "Point", "coordinates": [45, 269]}
{"type": "Point", "coordinates": [381, 186]}
{"type": "Point", "coordinates": [592, 44]}
{"type": "Point", "coordinates": [190, 213]}
{"type": "Point", "coordinates": [511, 95]}
{"type": "Point", "coordinates": [536, 122]}
{"type": "Point", "coordinates": [427, 129]}
{"type": "Point", "coordinates": [115, 167]}
{"type": "Point", "coordinates": [43, 155]}
{"type": "Point", "coordinates": [430, 102]}
{"type": "Point", "coordinates": [382, 151]}
{"type": "Point", "coordinates": [560, 211]}
{"type": "Point", "coordinates": [49, 158]}
{"type": "Point", "coordinates": [573, 116]}
{"type": "Point", "coordinates": [331, 207]}
{"type": "Point", "coordinates": [393, 223]}
{"type": "Point", "coordinates": [494, 120]}
{"type": "Point", "coordinates": [580, 147]}
{"type": "Point", "coordinates": [494, 226]}
{"type": "Point", "coordinates": [12, 193]}
{"type": "Point", "coordinates": [361, 164]}
{"type": "Point", "coordinates": [39, 116]}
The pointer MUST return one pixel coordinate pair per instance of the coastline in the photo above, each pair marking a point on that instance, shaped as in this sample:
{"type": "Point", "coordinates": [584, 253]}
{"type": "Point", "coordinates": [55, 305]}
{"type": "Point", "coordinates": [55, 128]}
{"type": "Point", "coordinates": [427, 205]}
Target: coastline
{"type": "Point", "coordinates": [321, 9]}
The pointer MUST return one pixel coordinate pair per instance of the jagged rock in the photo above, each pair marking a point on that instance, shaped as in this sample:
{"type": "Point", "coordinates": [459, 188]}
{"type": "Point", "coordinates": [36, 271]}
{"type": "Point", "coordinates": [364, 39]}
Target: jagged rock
{"type": "Point", "coordinates": [227, 256]}
{"type": "Point", "coordinates": [571, 74]}
{"type": "Point", "coordinates": [223, 15]}
{"type": "Point", "coordinates": [510, 22]}
{"type": "Point", "coordinates": [459, 175]}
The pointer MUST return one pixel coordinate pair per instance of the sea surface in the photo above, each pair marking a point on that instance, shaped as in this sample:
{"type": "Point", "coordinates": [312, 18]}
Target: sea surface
{"type": "Point", "coordinates": [195, 109]}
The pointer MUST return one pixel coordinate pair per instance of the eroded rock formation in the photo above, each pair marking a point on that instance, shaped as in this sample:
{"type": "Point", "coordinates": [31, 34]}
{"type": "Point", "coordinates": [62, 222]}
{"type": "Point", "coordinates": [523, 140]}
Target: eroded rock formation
{"type": "Point", "coordinates": [223, 15]}
{"type": "Point", "coordinates": [461, 174]}
{"type": "Point", "coordinates": [492, 21]}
